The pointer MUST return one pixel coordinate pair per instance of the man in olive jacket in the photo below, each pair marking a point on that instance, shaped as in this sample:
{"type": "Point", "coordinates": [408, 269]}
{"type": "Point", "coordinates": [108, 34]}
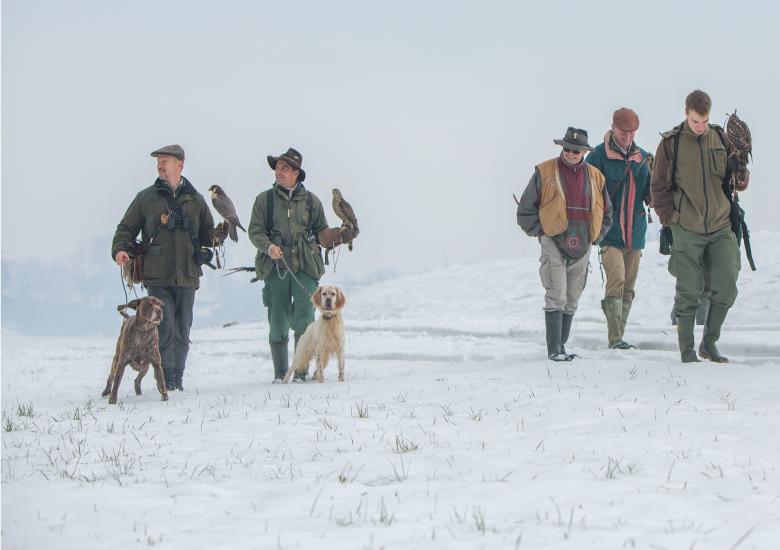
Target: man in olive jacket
{"type": "Point", "coordinates": [625, 167]}
{"type": "Point", "coordinates": [174, 222]}
{"type": "Point", "coordinates": [289, 261]}
{"type": "Point", "coordinates": [565, 206]}
{"type": "Point", "coordinates": [687, 194]}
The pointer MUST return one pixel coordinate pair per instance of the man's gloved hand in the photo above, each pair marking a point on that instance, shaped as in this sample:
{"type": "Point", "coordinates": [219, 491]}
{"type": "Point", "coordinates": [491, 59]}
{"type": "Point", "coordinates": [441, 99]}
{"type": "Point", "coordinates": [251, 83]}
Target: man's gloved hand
{"type": "Point", "coordinates": [347, 234]}
{"type": "Point", "coordinates": [329, 237]}
{"type": "Point", "coordinates": [741, 178]}
{"type": "Point", "coordinates": [220, 234]}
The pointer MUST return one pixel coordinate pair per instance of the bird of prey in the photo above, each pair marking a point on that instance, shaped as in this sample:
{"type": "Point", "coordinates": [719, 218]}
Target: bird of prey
{"type": "Point", "coordinates": [227, 210]}
{"type": "Point", "coordinates": [344, 211]}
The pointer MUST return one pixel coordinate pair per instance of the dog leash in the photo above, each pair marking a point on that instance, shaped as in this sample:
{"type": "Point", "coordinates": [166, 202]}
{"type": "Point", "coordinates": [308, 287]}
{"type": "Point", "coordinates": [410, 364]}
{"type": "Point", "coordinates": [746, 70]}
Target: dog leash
{"type": "Point", "coordinates": [290, 272]}
{"type": "Point", "coordinates": [124, 288]}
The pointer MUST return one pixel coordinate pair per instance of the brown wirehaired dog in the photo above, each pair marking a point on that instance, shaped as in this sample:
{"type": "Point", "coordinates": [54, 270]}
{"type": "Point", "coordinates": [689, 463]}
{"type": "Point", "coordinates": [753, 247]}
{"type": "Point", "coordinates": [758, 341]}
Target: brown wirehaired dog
{"type": "Point", "coordinates": [139, 346]}
{"type": "Point", "coordinates": [324, 338]}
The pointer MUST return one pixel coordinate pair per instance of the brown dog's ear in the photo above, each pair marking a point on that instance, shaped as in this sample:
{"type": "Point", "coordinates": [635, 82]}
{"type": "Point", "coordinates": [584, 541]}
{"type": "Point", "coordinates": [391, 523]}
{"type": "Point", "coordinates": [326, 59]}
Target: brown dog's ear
{"type": "Point", "coordinates": [340, 298]}
{"type": "Point", "coordinates": [133, 304]}
{"type": "Point", "coordinates": [156, 300]}
{"type": "Point", "coordinates": [316, 298]}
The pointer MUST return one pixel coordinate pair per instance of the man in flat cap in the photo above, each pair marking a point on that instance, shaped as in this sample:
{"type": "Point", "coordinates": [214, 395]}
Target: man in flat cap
{"type": "Point", "coordinates": [625, 166]}
{"type": "Point", "coordinates": [175, 223]}
{"type": "Point", "coordinates": [688, 195]}
{"type": "Point", "coordinates": [565, 206]}
{"type": "Point", "coordinates": [287, 227]}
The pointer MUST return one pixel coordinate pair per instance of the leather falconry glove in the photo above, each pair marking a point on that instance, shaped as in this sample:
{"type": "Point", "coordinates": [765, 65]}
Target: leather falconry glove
{"type": "Point", "coordinates": [330, 237]}
{"type": "Point", "coordinates": [220, 234]}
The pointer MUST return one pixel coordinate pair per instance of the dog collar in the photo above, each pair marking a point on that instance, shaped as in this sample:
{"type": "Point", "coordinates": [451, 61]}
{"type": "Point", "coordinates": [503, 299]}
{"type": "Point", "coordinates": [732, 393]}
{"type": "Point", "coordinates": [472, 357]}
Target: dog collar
{"type": "Point", "coordinates": [328, 317]}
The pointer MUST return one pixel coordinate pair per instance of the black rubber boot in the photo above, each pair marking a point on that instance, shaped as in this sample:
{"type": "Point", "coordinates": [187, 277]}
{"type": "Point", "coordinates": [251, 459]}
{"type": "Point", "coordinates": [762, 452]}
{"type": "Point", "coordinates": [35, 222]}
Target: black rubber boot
{"type": "Point", "coordinates": [300, 376]}
{"type": "Point", "coordinates": [553, 322]}
{"type": "Point", "coordinates": [707, 349]}
{"type": "Point", "coordinates": [565, 331]}
{"type": "Point", "coordinates": [685, 338]}
{"type": "Point", "coordinates": [279, 356]}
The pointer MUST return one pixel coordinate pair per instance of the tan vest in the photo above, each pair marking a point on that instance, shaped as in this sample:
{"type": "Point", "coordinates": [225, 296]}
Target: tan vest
{"type": "Point", "coordinates": [552, 201]}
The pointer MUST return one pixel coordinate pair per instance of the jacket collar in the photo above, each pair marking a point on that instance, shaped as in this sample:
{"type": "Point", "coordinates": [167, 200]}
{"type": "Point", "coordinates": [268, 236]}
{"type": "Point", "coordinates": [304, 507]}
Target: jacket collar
{"type": "Point", "coordinates": [290, 194]}
{"type": "Point", "coordinates": [614, 153]}
{"type": "Point", "coordinates": [184, 187]}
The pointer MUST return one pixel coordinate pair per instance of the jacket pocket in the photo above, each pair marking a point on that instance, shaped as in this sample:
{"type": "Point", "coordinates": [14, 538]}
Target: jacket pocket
{"type": "Point", "coordinates": [156, 263]}
{"type": "Point", "coordinates": [718, 157]}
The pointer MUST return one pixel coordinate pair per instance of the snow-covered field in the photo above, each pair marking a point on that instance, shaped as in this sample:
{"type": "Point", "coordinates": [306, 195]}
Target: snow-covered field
{"type": "Point", "coordinates": [452, 430]}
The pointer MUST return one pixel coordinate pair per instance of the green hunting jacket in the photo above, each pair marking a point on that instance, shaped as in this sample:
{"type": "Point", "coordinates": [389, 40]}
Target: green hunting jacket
{"type": "Point", "coordinates": [296, 222]}
{"type": "Point", "coordinates": [697, 202]}
{"type": "Point", "coordinates": [169, 258]}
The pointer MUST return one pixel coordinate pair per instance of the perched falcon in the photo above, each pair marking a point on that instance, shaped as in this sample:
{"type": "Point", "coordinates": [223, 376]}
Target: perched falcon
{"type": "Point", "coordinates": [224, 206]}
{"type": "Point", "coordinates": [344, 211]}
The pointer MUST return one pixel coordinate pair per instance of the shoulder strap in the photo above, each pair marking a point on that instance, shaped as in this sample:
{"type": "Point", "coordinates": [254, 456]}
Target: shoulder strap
{"type": "Point", "coordinates": [310, 207]}
{"type": "Point", "coordinates": [269, 211]}
{"type": "Point", "coordinates": [675, 148]}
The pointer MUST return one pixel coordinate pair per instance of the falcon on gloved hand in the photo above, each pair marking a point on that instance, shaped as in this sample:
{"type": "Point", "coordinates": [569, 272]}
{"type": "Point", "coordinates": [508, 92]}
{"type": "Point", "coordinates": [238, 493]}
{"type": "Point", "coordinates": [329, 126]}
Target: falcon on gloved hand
{"type": "Point", "coordinates": [344, 211]}
{"type": "Point", "coordinates": [227, 210]}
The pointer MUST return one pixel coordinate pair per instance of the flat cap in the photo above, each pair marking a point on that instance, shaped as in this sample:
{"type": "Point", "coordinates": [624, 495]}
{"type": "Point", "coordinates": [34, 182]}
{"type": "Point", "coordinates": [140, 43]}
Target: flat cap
{"type": "Point", "coordinates": [625, 119]}
{"type": "Point", "coordinates": [170, 150]}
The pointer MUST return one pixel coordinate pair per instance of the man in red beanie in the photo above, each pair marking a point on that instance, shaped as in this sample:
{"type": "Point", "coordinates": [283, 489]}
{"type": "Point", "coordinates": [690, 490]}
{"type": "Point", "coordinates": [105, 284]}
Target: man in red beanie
{"type": "Point", "coordinates": [626, 168]}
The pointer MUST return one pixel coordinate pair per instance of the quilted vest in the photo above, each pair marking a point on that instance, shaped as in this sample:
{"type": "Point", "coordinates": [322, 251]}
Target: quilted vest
{"type": "Point", "coordinates": [552, 200]}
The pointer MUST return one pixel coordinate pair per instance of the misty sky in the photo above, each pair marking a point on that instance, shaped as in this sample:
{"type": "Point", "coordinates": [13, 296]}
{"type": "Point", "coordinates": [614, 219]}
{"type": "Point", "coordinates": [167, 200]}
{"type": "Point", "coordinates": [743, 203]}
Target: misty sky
{"type": "Point", "coordinates": [427, 115]}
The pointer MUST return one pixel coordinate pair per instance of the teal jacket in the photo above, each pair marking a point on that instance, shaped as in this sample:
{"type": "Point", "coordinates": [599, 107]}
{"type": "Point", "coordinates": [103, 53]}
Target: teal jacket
{"type": "Point", "coordinates": [628, 186]}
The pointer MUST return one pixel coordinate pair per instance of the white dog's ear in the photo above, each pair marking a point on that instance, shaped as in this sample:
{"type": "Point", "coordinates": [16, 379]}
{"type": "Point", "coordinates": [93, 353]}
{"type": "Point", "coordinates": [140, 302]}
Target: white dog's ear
{"type": "Point", "coordinates": [340, 299]}
{"type": "Point", "coordinates": [316, 298]}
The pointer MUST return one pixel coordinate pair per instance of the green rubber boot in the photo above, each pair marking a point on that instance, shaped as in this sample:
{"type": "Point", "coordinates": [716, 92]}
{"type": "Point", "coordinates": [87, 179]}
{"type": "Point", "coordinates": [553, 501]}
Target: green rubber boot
{"type": "Point", "coordinates": [707, 349]}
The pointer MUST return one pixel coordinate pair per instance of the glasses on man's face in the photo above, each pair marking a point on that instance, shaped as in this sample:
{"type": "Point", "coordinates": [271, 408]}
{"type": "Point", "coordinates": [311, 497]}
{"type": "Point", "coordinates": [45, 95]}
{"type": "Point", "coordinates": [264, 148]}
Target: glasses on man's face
{"type": "Point", "coordinates": [572, 151]}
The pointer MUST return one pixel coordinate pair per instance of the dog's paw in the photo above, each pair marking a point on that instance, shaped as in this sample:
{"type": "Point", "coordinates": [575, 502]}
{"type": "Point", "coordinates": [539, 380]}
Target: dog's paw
{"type": "Point", "coordinates": [112, 400]}
{"type": "Point", "coordinates": [164, 396]}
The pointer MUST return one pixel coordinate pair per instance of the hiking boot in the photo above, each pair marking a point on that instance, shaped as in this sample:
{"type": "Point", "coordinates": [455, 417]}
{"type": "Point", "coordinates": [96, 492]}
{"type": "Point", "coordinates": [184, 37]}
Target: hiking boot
{"type": "Point", "coordinates": [613, 311]}
{"type": "Point", "coordinates": [707, 349]}
{"type": "Point", "coordinates": [279, 357]}
{"type": "Point", "coordinates": [553, 322]}
{"type": "Point", "coordinates": [622, 344]}
{"type": "Point", "coordinates": [299, 377]}
{"type": "Point", "coordinates": [685, 338]}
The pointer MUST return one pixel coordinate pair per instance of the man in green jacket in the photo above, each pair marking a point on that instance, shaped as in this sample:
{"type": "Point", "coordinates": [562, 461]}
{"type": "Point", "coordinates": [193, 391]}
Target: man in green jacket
{"type": "Point", "coordinates": [174, 222]}
{"type": "Point", "coordinates": [287, 227]}
{"type": "Point", "coordinates": [625, 167]}
{"type": "Point", "coordinates": [688, 196]}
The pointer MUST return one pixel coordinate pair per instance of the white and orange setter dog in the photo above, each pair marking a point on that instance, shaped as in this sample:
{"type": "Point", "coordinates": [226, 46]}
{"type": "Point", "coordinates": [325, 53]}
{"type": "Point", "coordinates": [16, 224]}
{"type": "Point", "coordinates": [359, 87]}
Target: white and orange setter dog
{"type": "Point", "coordinates": [324, 338]}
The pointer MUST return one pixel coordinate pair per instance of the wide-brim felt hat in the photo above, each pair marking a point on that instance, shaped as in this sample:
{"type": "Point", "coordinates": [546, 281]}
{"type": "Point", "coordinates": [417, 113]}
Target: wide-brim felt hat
{"type": "Point", "coordinates": [292, 157]}
{"type": "Point", "coordinates": [575, 138]}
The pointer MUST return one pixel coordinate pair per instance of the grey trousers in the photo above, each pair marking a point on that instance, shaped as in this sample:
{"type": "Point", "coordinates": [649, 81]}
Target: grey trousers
{"type": "Point", "coordinates": [563, 279]}
{"type": "Point", "coordinates": [174, 330]}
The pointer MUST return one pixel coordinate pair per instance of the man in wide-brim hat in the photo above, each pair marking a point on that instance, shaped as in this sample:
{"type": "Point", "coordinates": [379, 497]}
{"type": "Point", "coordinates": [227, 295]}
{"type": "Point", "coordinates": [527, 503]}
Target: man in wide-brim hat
{"type": "Point", "coordinates": [565, 206]}
{"type": "Point", "coordinates": [287, 227]}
